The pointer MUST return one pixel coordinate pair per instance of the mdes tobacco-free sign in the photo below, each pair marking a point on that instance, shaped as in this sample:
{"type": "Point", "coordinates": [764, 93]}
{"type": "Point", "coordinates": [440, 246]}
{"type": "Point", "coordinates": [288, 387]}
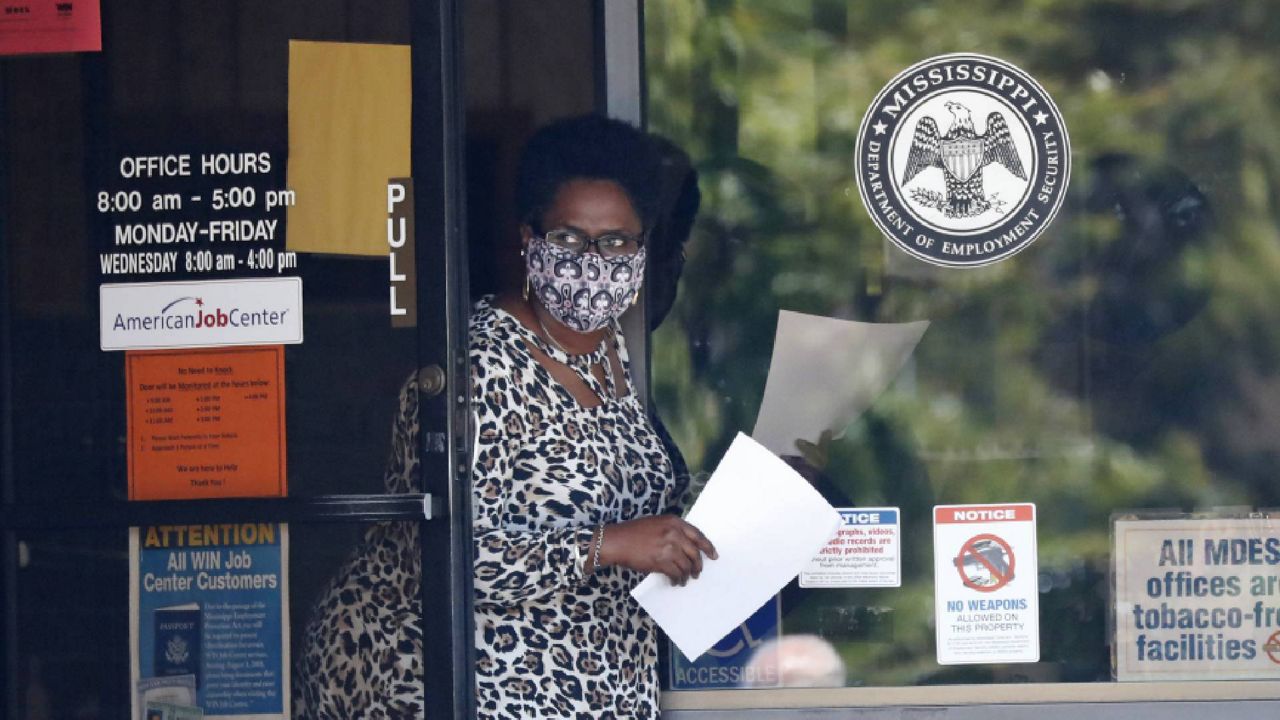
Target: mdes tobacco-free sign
{"type": "Point", "coordinates": [1197, 598]}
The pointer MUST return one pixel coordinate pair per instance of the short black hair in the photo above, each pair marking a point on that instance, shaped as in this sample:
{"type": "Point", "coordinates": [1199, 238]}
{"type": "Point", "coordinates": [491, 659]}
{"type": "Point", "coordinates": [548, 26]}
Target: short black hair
{"type": "Point", "coordinates": [587, 147]}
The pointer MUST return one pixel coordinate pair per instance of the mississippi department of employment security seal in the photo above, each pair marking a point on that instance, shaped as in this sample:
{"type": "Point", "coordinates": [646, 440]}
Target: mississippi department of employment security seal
{"type": "Point", "coordinates": [963, 160]}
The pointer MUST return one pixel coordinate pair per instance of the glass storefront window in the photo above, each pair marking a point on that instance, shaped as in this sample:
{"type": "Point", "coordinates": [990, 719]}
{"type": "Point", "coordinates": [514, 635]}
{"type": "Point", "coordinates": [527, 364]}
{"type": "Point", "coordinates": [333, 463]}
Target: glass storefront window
{"type": "Point", "coordinates": [1123, 362]}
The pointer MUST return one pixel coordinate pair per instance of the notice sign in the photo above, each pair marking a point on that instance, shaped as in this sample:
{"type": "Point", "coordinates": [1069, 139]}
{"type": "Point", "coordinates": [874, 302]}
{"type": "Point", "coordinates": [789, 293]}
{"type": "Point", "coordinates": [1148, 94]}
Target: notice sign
{"type": "Point", "coordinates": [50, 26]}
{"type": "Point", "coordinates": [985, 583]}
{"type": "Point", "coordinates": [1197, 599]}
{"type": "Point", "coordinates": [866, 552]}
{"type": "Point", "coordinates": [206, 423]}
{"type": "Point", "coordinates": [209, 620]}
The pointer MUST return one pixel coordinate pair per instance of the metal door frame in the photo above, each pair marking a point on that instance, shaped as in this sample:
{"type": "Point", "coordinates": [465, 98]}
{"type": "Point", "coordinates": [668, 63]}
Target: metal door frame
{"type": "Point", "coordinates": [439, 191]}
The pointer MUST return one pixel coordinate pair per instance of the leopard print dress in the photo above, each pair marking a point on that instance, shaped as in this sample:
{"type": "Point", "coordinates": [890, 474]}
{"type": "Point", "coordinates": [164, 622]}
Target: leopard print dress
{"type": "Point", "coordinates": [361, 654]}
{"type": "Point", "coordinates": [551, 642]}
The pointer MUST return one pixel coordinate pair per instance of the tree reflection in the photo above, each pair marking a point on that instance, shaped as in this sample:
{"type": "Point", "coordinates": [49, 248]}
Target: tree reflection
{"type": "Point", "coordinates": [1126, 360]}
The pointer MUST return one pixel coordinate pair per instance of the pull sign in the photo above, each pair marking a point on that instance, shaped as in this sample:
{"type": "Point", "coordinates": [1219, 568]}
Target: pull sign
{"type": "Point", "coordinates": [402, 265]}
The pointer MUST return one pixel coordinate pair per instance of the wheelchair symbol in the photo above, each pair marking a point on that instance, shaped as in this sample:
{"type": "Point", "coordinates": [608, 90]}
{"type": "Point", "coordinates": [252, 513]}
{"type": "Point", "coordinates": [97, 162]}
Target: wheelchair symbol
{"type": "Point", "coordinates": [741, 637]}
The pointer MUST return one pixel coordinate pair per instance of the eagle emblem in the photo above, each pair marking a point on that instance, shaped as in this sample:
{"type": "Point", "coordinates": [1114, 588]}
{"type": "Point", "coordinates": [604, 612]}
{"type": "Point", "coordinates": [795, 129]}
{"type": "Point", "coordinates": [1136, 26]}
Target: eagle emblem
{"type": "Point", "coordinates": [961, 154]}
{"type": "Point", "coordinates": [176, 650]}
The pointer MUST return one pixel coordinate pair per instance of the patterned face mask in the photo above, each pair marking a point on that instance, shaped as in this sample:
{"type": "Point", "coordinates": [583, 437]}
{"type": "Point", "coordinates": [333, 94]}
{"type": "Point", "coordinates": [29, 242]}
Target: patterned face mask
{"type": "Point", "coordinates": [584, 291]}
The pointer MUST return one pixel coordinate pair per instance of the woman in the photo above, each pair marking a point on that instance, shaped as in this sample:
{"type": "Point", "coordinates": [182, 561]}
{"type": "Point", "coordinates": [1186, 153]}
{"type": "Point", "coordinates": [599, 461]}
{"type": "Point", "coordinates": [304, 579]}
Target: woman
{"type": "Point", "coordinates": [572, 486]}
{"type": "Point", "coordinates": [573, 490]}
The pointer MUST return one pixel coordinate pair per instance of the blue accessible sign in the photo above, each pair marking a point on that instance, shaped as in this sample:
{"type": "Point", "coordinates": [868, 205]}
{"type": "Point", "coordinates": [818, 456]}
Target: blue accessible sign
{"type": "Point", "coordinates": [725, 665]}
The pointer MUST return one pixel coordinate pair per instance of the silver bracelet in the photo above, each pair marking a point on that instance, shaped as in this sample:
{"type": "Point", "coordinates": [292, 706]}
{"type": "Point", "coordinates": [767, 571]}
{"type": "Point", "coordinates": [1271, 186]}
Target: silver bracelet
{"type": "Point", "coordinates": [595, 555]}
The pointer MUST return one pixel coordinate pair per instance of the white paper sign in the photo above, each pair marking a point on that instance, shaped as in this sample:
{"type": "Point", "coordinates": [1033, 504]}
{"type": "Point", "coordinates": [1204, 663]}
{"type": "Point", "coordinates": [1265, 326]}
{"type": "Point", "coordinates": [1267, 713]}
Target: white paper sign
{"type": "Point", "coordinates": [210, 313]}
{"type": "Point", "coordinates": [825, 372]}
{"type": "Point", "coordinates": [986, 585]}
{"type": "Point", "coordinates": [766, 522]}
{"type": "Point", "coordinates": [1197, 599]}
{"type": "Point", "coordinates": [866, 552]}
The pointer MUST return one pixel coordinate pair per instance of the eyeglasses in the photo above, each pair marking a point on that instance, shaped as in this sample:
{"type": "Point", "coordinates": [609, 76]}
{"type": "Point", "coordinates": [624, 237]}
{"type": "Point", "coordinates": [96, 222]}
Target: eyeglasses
{"type": "Point", "coordinates": [610, 244]}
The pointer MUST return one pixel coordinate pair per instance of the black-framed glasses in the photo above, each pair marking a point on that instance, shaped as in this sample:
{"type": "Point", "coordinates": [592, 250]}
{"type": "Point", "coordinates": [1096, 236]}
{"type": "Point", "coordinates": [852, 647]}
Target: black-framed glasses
{"type": "Point", "coordinates": [610, 244]}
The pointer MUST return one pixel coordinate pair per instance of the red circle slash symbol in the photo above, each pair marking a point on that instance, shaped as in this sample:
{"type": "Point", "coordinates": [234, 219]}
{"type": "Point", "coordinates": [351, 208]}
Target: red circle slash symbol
{"type": "Point", "coordinates": [985, 563]}
{"type": "Point", "coordinates": [1272, 647]}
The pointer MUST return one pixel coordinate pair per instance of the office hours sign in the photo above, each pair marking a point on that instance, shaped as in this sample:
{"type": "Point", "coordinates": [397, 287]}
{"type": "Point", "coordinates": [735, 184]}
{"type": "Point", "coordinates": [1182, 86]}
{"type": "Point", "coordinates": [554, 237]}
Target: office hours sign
{"type": "Point", "coordinates": [986, 591]}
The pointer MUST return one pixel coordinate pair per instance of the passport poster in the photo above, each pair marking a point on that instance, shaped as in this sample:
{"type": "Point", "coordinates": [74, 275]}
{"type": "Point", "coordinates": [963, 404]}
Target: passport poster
{"type": "Point", "coordinates": [209, 620]}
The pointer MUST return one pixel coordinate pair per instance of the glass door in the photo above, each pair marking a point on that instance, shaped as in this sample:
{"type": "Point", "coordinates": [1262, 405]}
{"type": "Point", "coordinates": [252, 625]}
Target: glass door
{"type": "Point", "coordinates": [234, 391]}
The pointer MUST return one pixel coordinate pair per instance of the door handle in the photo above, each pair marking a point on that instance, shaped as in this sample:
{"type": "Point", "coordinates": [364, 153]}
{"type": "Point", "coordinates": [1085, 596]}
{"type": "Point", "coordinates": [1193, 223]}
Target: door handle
{"type": "Point", "coordinates": [431, 381]}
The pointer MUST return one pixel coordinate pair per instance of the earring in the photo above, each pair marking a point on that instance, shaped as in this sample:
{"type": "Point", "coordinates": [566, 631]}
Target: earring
{"type": "Point", "coordinates": [525, 292]}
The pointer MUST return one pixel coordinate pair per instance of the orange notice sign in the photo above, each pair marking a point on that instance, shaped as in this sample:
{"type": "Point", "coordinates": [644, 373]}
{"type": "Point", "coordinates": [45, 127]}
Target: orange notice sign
{"type": "Point", "coordinates": [49, 26]}
{"type": "Point", "coordinates": [206, 423]}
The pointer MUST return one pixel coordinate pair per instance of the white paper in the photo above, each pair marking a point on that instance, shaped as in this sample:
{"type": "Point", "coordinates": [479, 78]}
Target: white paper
{"type": "Point", "coordinates": [825, 372]}
{"type": "Point", "coordinates": [766, 522]}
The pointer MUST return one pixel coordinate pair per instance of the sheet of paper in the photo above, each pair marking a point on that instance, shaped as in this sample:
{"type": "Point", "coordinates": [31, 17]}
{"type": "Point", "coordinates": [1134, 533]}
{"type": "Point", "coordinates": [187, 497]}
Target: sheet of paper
{"type": "Point", "coordinates": [50, 26]}
{"type": "Point", "coordinates": [349, 132]}
{"type": "Point", "coordinates": [766, 522]}
{"type": "Point", "coordinates": [825, 372]}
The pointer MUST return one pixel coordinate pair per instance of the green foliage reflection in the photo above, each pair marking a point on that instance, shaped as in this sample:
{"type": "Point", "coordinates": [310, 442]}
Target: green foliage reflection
{"type": "Point", "coordinates": [1126, 360]}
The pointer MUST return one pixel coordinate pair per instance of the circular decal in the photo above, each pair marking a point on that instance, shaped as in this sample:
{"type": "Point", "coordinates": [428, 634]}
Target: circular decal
{"type": "Point", "coordinates": [985, 563]}
{"type": "Point", "coordinates": [963, 160]}
{"type": "Point", "coordinates": [1272, 647]}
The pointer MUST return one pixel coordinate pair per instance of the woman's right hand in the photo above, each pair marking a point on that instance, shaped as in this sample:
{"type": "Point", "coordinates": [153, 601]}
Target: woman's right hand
{"type": "Point", "coordinates": [660, 543]}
